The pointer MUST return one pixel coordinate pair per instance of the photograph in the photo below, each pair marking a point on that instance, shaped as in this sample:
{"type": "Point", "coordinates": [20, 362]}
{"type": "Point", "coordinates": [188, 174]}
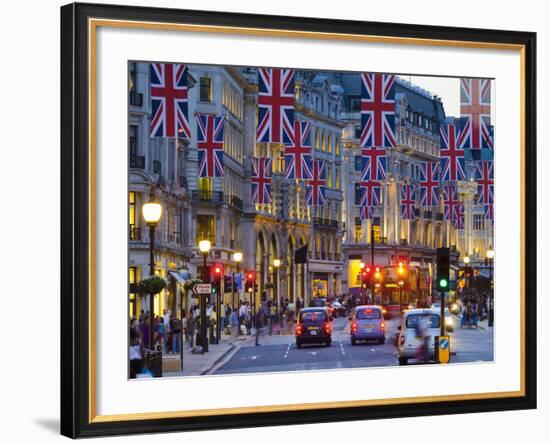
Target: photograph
{"type": "Point", "coordinates": [284, 219]}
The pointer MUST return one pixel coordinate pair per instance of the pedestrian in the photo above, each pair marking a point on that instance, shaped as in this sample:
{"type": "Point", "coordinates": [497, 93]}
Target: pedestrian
{"type": "Point", "coordinates": [167, 330]}
{"type": "Point", "coordinates": [159, 341]}
{"type": "Point", "coordinates": [191, 329]}
{"type": "Point", "coordinates": [176, 332]}
{"type": "Point", "coordinates": [234, 322]}
{"type": "Point", "coordinates": [184, 325]}
{"type": "Point", "coordinates": [135, 351]}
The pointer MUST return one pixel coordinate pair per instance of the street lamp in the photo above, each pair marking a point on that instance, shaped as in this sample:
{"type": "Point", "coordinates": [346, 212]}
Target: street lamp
{"type": "Point", "coordinates": [204, 247]}
{"type": "Point", "coordinates": [237, 257]}
{"type": "Point", "coordinates": [362, 278]}
{"type": "Point", "coordinates": [277, 265]}
{"type": "Point", "coordinates": [466, 260]}
{"type": "Point", "coordinates": [152, 211]}
{"type": "Point", "coordinates": [490, 256]}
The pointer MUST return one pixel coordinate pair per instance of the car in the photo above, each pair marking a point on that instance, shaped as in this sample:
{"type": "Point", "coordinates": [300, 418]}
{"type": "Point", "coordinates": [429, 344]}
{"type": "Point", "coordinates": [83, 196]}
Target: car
{"type": "Point", "coordinates": [367, 323]}
{"type": "Point", "coordinates": [337, 309]}
{"type": "Point", "coordinates": [318, 302]}
{"type": "Point", "coordinates": [409, 344]}
{"type": "Point", "coordinates": [313, 326]}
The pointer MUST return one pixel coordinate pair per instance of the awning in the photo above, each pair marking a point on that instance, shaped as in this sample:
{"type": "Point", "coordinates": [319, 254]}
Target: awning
{"type": "Point", "coordinates": [178, 277]}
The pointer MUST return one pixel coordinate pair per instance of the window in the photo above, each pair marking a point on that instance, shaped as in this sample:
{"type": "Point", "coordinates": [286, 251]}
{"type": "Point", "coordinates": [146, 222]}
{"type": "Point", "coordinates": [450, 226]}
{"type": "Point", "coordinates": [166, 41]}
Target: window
{"type": "Point", "coordinates": [428, 321]}
{"type": "Point", "coordinates": [206, 228]}
{"type": "Point", "coordinates": [329, 177]}
{"type": "Point", "coordinates": [479, 223]}
{"type": "Point", "coordinates": [355, 103]}
{"type": "Point", "coordinates": [206, 89]}
{"type": "Point", "coordinates": [205, 188]}
{"type": "Point", "coordinates": [132, 217]}
{"type": "Point", "coordinates": [368, 313]}
{"type": "Point", "coordinates": [132, 142]}
{"type": "Point", "coordinates": [358, 163]}
{"type": "Point", "coordinates": [337, 142]}
{"type": "Point", "coordinates": [358, 194]}
{"type": "Point", "coordinates": [357, 131]}
{"type": "Point", "coordinates": [133, 77]}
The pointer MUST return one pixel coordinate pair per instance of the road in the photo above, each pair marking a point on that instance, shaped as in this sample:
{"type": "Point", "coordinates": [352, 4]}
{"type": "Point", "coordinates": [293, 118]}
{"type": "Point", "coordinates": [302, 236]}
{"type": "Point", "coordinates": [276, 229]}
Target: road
{"type": "Point", "coordinates": [279, 352]}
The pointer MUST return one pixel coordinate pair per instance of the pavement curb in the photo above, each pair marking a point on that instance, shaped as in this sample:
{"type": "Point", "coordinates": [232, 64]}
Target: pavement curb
{"type": "Point", "coordinates": [229, 348]}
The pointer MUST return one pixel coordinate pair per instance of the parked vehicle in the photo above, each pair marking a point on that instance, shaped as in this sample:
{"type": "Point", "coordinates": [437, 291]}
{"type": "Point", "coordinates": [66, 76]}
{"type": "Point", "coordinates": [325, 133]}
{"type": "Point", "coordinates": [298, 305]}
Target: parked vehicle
{"type": "Point", "coordinates": [367, 324]}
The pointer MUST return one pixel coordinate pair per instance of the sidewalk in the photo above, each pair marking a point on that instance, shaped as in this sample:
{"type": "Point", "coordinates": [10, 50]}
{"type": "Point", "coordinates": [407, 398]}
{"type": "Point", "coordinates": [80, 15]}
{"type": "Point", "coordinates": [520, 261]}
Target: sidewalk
{"type": "Point", "coordinates": [197, 364]}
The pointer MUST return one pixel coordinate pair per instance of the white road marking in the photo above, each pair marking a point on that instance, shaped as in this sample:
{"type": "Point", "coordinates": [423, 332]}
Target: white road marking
{"type": "Point", "coordinates": [373, 349]}
{"type": "Point", "coordinates": [287, 350]}
{"type": "Point", "coordinates": [342, 347]}
{"type": "Point", "coordinates": [313, 353]}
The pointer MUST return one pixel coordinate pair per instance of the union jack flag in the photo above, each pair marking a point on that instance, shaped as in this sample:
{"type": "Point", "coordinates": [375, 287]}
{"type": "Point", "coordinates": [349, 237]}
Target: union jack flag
{"type": "Point", "coordinates": [475, 104]}
{"type": "Point", "coordinates": [450, 203]}
{"type": "Point", "coordinates": [373, 163]}
{"type": "Point", "coordinates": [275, 105]}
{"type": "Point", "coordinates": [169, 101]}
{"type": "Point", "coordinates": [485, 182]}
{"type": "Point", "coordinates": [315, 195]}
{"type": "Point", "coordinates": [408, 201]}
{"type": "Point", "coordinates": [489, 212]}
{"type": "Point", "coordinates": [261, 180]}
{"type": "Point", "coordinates": [377, 110]}
{"type": "Point", "coordinates": [458, 223]}
{"type": "Point", "coordinates": [370, 195]}
{"type": "Point", "coordinates": [429, 183]}
{"type": "Point", "coordinates": [366, 212]}
{"type": "Point", "coordinates": [452, 152]}
{"type": "Point", "coordinates": [210, 145]}
{"type": "Point", "coordinates": [298, 152]}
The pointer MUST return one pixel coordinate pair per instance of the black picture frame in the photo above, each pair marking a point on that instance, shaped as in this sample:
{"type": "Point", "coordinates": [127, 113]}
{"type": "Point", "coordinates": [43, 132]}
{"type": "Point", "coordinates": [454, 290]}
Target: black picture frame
{"type": "Point", "coordinates": [75, 220]}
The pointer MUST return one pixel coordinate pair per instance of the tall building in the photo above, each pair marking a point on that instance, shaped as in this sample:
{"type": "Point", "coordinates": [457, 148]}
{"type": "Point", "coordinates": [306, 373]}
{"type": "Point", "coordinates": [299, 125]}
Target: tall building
{"type": "Point", "coordinates": [220, 209]}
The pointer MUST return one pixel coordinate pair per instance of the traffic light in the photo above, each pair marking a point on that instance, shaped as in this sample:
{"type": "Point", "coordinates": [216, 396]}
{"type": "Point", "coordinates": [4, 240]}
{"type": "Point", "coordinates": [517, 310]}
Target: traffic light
{"type": "Point", "coordinates": [401, 269]}
{"type": "Point", "coordinates": [217, 278]}
{"type": "Point", "coordinates": [249, 283]}
{"type": "Point", "coordinates": [443, 268]}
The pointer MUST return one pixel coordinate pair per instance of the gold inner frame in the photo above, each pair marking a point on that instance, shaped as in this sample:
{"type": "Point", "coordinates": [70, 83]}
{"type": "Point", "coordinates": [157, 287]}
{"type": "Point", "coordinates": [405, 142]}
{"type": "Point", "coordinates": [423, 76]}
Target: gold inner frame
{"type": "Point", "coordinates": [93, 24]}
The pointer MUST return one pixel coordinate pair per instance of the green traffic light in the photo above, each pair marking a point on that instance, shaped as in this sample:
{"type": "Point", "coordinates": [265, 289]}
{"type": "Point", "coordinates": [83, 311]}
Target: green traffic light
{"type": "Point", "coordinates": [443, 283]}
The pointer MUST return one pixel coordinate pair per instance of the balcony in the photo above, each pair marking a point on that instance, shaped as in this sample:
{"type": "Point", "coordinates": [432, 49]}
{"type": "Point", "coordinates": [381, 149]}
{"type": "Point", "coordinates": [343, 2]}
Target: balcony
{"type": "Point", "coordinates": [439, 217]}
{"type": "Point", "coordinates": [136, 99]}
{"type": "Point", "coordinates": [137, 162]}
{"type": "Point", "coordinates": [417, 213]}
{"type": "Point", "coordinates": [427, 214]}
{"type": "Point", "coordinates": [325, 222]}
{"type": "Point", "coordinates": [206, 196]}
{"type": "Point", "coordinates": [135, 233]}
{"type": "Point", "coordinates": [234, 202]}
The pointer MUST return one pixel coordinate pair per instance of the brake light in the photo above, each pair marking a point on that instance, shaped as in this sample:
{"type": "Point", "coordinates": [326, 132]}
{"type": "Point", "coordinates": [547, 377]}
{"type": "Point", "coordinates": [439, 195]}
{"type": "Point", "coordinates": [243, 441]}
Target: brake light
{"type": "Point", "coordinates": [382, 326]}
{"type": "Point", "coordinates": [298, 329]}
{"type": "Point", "coordinates": [328, 328]}
{"type": "Point", "coordinates": [354, 326]}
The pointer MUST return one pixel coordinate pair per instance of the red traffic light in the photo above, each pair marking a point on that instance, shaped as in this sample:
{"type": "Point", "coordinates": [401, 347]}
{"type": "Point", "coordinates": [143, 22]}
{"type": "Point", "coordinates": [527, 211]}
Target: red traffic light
{"type": "Point", "coordinates": [250, 275]}
{"type": "Point", "coordinates": [218, 270]}
{"type": "Point", "coordinates": [368, 269]}
{"type": "Point", "coordinates": [377, 269]}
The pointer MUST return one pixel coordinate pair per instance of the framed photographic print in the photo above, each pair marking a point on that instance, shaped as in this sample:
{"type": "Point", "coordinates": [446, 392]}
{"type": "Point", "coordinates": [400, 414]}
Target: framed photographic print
{"type": "Point", "coordinates": [279, 220]}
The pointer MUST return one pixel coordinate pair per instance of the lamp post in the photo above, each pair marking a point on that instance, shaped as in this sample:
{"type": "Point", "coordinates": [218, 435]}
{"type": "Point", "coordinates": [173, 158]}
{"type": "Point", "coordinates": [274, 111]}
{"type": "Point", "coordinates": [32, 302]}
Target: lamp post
{"type": "Point", "coordinates": [466, 260]}
{"type": "Point", "coordinates": [237, 257]}
{"type": "Point", "coordinates": [152, 211]}
{"type": "Point", "coordinates": [204, 247]}
{"type": "Point", "coordinates": [490, 256]}
{"type": "Point", "coordinates": [363, 288]}
{"type": "Point", "coordinates": [277, 265]}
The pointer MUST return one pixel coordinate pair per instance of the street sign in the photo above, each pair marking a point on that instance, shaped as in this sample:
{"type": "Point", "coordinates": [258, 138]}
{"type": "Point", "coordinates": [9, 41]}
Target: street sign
{"type": "Point", "coordinates": [202, 289]}
{"type": "Point", "coordinates": [443, 349]}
